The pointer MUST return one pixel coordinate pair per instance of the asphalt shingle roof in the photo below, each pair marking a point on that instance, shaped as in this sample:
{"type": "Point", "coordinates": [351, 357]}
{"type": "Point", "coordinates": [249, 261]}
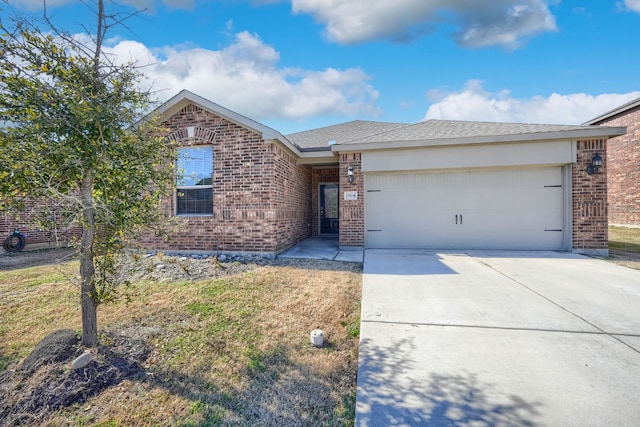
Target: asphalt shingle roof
{"type": "Point", "coordinates": [453, 129]}
{"type": "Point", "coordinates": [362, 132]}
{"type": "Point", "coordinates": [341, 133]}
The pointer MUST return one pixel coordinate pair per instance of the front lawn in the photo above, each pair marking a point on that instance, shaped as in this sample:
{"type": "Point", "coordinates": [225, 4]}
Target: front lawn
{"type": "Point", "coordinates": [230, 350]}
{"type": "Point", "coordinates": [624, 246]}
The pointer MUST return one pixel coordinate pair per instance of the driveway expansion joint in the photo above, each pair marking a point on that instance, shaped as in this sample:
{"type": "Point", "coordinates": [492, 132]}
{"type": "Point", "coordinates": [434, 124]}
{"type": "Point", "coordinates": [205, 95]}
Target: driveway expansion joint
{"type": "Point", "coordinates": [503, 328]}
{"type": "Point", "coordinates": [445, 340]}
{"type": "Point", "coordinates": [560, 306]}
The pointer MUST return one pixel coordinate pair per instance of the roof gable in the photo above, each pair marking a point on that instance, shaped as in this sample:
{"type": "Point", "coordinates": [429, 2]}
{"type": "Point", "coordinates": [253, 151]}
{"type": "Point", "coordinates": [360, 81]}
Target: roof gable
{"type": "Point", "coordinates": [185, 97]}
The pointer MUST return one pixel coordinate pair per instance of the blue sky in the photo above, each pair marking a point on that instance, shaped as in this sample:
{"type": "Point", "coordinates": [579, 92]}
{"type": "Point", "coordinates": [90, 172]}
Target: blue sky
{"type": "Point", "coordinates": [300, 64]}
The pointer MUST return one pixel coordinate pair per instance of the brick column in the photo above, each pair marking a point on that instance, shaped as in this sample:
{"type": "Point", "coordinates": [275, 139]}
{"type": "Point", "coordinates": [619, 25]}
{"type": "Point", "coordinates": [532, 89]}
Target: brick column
{"type": "Point", "coordinates": [590, 216]}
{"type": "Point", "coordinates": [351, 211]}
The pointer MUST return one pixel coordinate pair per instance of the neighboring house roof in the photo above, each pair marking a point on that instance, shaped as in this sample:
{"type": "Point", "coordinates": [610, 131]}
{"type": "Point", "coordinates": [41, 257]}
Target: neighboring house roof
{"type": "Point", "coordinates": [340, 133]}
{"type": "Point", "coordinates": [454, 132]}
{"type": "Point", "coordinates": [619, 110]}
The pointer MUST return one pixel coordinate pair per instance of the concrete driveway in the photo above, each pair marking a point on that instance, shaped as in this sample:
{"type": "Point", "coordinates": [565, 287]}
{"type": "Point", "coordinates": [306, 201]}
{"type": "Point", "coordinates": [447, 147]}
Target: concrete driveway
{"type": "Point", "coordinates": [498, 339]}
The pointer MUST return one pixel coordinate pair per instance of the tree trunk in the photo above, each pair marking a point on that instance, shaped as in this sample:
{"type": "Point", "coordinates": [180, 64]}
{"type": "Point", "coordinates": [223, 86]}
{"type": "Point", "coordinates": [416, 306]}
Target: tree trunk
{"type": "Point", "coordinates": [87, 269]}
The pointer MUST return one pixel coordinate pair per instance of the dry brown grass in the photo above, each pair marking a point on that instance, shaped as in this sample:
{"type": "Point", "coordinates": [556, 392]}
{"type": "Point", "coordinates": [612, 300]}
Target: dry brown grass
{"type": "Point", "coordinates": [33, 302]}
{"type": "Point", "coordinates": [228, 351]}
{"type": "Point", "coordinates": [624, 246]}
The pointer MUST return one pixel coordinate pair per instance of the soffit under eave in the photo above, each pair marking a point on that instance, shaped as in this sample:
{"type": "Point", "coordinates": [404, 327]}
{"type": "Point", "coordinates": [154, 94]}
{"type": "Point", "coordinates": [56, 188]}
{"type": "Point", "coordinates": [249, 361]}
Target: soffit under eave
{"type": "Point", "coordinates": [319, 161]}
{"type": "Point", "coordinates": [306, 157]}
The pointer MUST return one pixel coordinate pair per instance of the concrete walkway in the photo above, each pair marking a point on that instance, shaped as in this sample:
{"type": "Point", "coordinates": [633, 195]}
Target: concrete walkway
{"type": "Point", "coordinates": [322, 248]}
{"type": "Point", "coordinates": [498, 339]}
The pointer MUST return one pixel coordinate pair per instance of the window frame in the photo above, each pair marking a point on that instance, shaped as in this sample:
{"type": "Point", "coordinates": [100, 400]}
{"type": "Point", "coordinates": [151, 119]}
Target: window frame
{"type": "Point", "coordinates": [193, 187]}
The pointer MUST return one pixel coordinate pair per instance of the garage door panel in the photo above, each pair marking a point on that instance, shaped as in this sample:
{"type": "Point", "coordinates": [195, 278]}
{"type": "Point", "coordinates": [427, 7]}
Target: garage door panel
{"type": "Point", "coordinates": [504, 209]}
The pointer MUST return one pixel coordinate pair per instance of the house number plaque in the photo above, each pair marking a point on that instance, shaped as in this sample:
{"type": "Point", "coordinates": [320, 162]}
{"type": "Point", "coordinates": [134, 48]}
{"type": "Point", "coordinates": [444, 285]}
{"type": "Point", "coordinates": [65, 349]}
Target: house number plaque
{"type": "Point", "coordinates": [351, 195]}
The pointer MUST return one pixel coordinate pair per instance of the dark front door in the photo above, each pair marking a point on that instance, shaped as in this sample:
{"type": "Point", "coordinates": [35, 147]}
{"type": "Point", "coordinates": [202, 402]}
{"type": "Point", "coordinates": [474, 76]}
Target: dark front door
{"type": "Point", "coordinates": [329, 212]}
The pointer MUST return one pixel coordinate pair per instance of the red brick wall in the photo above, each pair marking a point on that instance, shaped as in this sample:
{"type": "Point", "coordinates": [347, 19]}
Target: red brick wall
{"type": "Point", "coordinates": [351, 211]}
{"type": "Point", "coordinates": [623, 169]}
{"type": "Point", "coordinates": [321, 176]}
{"type": "Point", "coordinates": [54, 233]}
{"type": "Point", "coordinates": [590, 220]}
{"type": "Point", "coordinates": [291, 199]}
{"type": "Point", "coordinates": [260, 196]}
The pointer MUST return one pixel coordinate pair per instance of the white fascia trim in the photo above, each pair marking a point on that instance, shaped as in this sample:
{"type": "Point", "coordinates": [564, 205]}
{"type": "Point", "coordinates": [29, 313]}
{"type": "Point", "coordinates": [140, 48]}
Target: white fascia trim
{"type": "Point", "coordinates": [621, 109]}
{"type": "Point", "coordinates": [578, 134]}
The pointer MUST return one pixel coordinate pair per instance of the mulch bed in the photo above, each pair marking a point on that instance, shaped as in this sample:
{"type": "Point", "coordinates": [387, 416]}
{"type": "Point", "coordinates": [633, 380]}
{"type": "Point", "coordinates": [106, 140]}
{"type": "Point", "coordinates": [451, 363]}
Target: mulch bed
{"type": "Point", "coordinates": [45, 381]}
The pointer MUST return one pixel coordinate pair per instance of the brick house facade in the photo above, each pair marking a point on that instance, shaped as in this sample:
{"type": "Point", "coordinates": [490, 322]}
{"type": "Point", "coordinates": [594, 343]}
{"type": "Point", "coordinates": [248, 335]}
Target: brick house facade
{"type": "Point", "coordinates": [263, 190]}
{"type": "Point", "coordinates": [260, 194]}
{"type": "Point", "coordinates": [623, 164]}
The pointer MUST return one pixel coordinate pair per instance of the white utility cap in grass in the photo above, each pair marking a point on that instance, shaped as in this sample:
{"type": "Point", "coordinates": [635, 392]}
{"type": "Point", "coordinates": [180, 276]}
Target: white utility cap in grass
{"type": "Point", "coordinates": [317, 337]}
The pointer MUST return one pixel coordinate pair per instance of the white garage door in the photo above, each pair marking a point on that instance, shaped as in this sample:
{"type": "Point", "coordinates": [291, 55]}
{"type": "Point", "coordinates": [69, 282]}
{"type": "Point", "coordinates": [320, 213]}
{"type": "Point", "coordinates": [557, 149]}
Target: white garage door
{"type": "Point", "coordinates": [502, 209]}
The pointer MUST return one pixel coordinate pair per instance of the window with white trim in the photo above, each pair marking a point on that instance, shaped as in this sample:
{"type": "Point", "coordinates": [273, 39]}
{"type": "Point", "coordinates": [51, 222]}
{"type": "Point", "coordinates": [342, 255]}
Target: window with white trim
{"type": "Point", "coordinates": [194, 189]}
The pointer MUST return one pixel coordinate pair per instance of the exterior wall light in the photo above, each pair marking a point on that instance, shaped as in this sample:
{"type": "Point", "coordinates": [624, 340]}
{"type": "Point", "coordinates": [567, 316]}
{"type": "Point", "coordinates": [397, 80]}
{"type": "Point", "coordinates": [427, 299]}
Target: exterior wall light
{"type": "Point", "coordinates": [350, 174]}
{"type": "Point", "coordinates": [596, 164]}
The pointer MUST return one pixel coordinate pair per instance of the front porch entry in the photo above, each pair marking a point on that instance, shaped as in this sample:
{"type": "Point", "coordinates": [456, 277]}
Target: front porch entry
{"type": "Point", "coordinates": [329, 209]}
{"type": "Point", "coordinates": [325, 248]}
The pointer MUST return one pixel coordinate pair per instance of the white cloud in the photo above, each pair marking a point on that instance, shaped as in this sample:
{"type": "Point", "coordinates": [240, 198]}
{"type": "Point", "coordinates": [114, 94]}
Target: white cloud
{"type": "Point", "coordinates": [633, 5]}
{"type": "Point", "coordinates": [245, 77]}
{"type": "Point", "coordinates": [479, 22]}
{"type": "Point", "coordinates": [475, 103]}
